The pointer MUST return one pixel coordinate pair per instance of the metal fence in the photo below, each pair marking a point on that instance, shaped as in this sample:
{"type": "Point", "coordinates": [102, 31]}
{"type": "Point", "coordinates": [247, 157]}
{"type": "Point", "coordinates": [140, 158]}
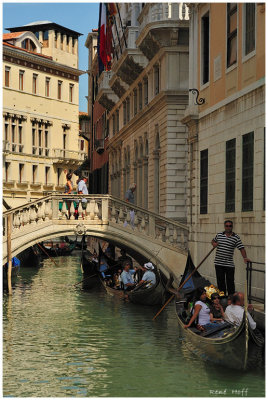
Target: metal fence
{"type": "Point", "coordinates": [251, 274]}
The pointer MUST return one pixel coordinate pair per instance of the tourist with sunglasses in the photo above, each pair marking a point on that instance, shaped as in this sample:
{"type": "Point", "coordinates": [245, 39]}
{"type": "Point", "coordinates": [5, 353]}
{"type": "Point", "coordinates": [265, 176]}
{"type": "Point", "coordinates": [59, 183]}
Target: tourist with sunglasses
{"type": "Point", "coordinates": [225, 243]}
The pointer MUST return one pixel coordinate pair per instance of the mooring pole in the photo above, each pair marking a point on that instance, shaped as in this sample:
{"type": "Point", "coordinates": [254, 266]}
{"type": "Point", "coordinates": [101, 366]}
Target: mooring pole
{"type": "Point", "coordinates": [9, 255]}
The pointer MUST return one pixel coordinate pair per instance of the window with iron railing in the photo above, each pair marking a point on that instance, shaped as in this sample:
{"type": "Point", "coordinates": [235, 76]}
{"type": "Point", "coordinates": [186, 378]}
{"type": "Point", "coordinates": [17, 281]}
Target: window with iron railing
{"type": "Point", "coordinates": [140, 96]}
{"type": "Point", "coordinates": [135, 101]}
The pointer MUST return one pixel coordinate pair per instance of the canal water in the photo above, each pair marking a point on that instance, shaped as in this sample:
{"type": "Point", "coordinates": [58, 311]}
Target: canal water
{"type": "Point", "coordinates": [63, 341]}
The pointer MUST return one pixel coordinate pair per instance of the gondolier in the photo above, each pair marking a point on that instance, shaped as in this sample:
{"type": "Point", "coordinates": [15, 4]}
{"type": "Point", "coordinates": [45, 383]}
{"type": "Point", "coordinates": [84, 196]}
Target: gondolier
{"type": "Point", "coordinates": [225, 243]}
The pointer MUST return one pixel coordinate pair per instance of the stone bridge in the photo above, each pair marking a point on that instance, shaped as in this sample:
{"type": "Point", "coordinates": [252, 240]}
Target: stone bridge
{"type": "Point", "coordinates": [144, 234]}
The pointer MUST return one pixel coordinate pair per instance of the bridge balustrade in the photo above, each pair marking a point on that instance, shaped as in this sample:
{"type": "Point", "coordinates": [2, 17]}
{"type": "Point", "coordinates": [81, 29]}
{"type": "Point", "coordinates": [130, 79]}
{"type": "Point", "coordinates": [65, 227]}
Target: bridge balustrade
{"type": "Point", "coordinates": [100, 210]}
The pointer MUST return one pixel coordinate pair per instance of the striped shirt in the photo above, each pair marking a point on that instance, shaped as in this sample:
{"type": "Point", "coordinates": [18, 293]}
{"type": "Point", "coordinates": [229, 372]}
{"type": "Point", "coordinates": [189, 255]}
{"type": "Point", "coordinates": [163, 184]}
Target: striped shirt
{"type": "Point", "coordinates": [225, 249]}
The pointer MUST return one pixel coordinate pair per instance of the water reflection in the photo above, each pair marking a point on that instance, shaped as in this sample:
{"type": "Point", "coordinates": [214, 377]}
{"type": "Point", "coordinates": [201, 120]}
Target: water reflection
{"type": "Point", "coordinates": [62, 341]}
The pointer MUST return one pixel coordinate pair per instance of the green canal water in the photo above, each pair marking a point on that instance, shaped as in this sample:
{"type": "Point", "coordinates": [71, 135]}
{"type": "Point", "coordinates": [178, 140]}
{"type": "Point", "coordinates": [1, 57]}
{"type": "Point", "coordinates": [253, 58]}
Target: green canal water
{"type": "Point", "coordinates": [63, 341]}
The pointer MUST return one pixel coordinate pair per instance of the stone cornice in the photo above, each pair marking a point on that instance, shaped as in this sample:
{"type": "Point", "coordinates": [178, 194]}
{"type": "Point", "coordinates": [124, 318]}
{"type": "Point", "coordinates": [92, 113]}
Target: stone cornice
{"type": "Point", "coordinates": [35, 62]}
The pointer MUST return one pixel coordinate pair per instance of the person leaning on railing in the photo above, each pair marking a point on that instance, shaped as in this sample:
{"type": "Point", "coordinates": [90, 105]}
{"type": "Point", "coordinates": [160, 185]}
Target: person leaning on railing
{"type": "Point", "coordinates": [82, 189]}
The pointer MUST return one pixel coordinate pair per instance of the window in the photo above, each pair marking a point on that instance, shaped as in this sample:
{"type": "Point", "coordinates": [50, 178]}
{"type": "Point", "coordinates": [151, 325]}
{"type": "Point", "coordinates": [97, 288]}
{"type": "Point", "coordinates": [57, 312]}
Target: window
{"type": "Point", "coordinates": [7, 168]}
{"type": "Point", "coordinates": [145, 88]}
{"type": "Point", "coordinates": [205, 48]}
{"type": "Point", "coordinates": [230, 176]}
{"type": "Point", "coordinates": [35, 83]}
{"type": "Point", "coordinates": [249, 9]}
{"type": "Point", "coordinates": [61, 41]}
{"type": "Point", "coordinates": [128, 109]}
{"type": "Point", "coordinates": [113, 124]}
{"type": "Point", "coordinates": [58, 176]}
{"type": "Point", "coordinates": [45, 35]}
{"type": "Point", "coordinates": [33, 140]}
{"type": "Point", "coordinates": [20, 147]}
{"type": "Point", "coordinates": [13, 135]}
{"type": "Point", "coordinates": [21, 172]}
{"type": "Point", "coordinates": [140, 96]}
{"type": "Point", "coordinates": [7, 73]}
{"type": "Point", "coordinates": [45, 39]}
{"type": "Point", "coordinates": [59, 90]}
{"type": "Point", "coordinates": [46, 142]}
{"type": "Point", "coordinates": [124, 113]}
{"type": "Point", "coordinates": [28, 44]}
{"type": "Point", "coordinates": [47, 88]}
{"type": "Point", "coordinates": [47, 174]}
{"type": "Point", "coordinates": [40, 131]}
{"type": "Point", "coordinates": [117, 121]}
{"type": "Point", "coordinates": [37, 35]}
{"type": "Point", "coordinates": [204, 181]}
{"type": "Point", "coordinates": [6, 132]}
{"type": "Point", "coordinates": [82, 145]}
{"type": "Point", "coordinates": [71, 92]}
{"type": "Point", "coordinates": [34, 172]}
{"type": "Point", "coordinates": [55, 39]}
{"type": "Point", "coordinates": [231, 34]}
{"type": "Point", "coordinates": [247, 171]}
{"type": "Point", "coordinates": [21, 75]}
{"type": "Point", "coordinates": [156, 79]}
{"type": "Point", "coordinates": [135, 100]}
{"type": "Point", "coordinates": [64, 143]}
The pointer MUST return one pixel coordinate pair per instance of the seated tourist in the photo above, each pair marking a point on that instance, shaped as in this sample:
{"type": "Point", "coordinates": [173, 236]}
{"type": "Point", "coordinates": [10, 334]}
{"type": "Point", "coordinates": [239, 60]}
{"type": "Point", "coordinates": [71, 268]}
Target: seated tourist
{"type": "Point", "coordinates": [127, 277]}
{"type": "Point", "coordinates": [235, 312]}
{"type": "Point", "coordinates": [148, 275]}
{"type": "Point", "coordinates": [216, 310]}
{"type": "Point", "coordinates": [201, 311]}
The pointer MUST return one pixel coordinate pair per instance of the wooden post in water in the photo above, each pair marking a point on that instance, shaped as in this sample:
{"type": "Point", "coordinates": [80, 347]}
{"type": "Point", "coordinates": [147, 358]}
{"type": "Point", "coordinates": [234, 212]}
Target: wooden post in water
{"type": "Point", "coordinates": [9, 255]}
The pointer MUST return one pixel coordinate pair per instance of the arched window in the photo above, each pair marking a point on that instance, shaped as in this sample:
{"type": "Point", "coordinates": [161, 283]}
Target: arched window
{"type": "Point", "coordinates": [28, 44]}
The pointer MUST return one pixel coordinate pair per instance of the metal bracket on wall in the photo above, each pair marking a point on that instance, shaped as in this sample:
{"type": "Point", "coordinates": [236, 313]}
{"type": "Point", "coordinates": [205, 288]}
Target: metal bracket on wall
{"type": "Point", "coordinates": [197, 101]}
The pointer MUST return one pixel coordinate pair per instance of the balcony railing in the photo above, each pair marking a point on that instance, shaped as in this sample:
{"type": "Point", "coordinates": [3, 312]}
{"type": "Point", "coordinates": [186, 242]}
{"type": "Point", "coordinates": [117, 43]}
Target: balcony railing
{"type": "Point", "coordinates": [256, 276]}
{"type": "Point", "coordinates": [163, 12]}
{"type": "Point", "coordinates": [99, 145]}
{"type": "Point", "coordinates": [129, 42]}
{"type": "Point", "coordinates": [62, 154]}
{"type": "Point", "coordinates": [6, 146]}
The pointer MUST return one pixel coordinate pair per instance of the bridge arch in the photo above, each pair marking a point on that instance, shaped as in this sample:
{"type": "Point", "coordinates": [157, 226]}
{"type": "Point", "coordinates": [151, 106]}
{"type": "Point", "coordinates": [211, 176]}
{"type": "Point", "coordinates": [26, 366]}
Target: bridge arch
{"type": "Point", "coordinates": [149, 237]}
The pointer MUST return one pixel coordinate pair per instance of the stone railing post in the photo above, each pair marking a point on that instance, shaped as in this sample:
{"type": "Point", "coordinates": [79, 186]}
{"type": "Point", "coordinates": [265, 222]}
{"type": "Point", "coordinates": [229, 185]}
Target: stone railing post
{"type": "Point", "coordinates": [151, 230]}
{"type": "Point", "coordinates": [55, 208]}
{"type": "Point", "coordinates": [104, 210]}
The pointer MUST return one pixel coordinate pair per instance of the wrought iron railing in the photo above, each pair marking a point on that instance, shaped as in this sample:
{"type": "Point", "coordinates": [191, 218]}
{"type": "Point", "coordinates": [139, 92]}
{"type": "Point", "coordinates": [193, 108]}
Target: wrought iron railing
{"type": "Point", "coordinates": [258, 270]}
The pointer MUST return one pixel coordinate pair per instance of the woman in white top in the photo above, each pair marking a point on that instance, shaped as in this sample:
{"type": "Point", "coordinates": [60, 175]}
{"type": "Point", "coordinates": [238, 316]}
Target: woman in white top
{"type": "Point", "coordinates": [201, 310]}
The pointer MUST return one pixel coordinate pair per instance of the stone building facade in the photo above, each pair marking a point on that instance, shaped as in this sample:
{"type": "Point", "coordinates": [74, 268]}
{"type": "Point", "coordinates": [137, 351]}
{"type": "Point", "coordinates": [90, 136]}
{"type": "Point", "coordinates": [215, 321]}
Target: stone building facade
{"type": "Point", "coordinates": [40, 110]}
{"type": "Point", "coordinates": [226, 153]}
{"type": "Point", "coordinates": [99, 140]}
{"type": "Point", "coordinates": [145, 94]}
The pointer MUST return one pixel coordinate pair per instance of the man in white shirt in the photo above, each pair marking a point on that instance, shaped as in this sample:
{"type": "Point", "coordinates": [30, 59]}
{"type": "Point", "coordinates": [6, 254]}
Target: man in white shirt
{"type": "Point", "coordinates": [235, 312]}
{"type": "Point", "coordinates": [82, 189]}
{"type": "Point", "coordinates": [149, 275]}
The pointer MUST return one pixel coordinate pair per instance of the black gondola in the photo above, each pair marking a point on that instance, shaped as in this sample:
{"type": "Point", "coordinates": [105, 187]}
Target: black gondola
{"type": "Point", "coordinates": [56, 251]}
{"type": "Point", "coordinates": [153, 295]}
{"type": "Point", "coordinates": [237, 347]}
{"type": "Point", "coordinates": [30, 257]}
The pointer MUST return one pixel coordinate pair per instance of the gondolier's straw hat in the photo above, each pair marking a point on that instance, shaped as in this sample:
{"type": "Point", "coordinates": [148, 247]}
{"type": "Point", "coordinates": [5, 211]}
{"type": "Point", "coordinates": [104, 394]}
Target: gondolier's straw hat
{"type": "Point", "coordinates": [149, 266]}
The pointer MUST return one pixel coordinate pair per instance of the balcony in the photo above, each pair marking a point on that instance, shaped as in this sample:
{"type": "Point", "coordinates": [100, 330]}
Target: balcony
{"type": "Point", "coordinates": [131, 61]}
{"type": "Point", "coordinates": [71, 157]}
{"type": "Point", "coordinates": [6, 146]}
{"type": "Point", "coordinates": [106, 97]}
{"type": "Point", "coordinates": [162, 25]}
{"type": "Point", "coordinates": [22, 184]}
{"type": "Point", "coordinates": [99, 145]}
{"type": "Point", "coordinates": [8, 183]}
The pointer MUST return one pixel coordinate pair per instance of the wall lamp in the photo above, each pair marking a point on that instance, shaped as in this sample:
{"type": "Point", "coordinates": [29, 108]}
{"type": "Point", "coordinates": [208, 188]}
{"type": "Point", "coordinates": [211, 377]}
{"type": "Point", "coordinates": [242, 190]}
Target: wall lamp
{"type": "Point", "coordinates": [197, 101]}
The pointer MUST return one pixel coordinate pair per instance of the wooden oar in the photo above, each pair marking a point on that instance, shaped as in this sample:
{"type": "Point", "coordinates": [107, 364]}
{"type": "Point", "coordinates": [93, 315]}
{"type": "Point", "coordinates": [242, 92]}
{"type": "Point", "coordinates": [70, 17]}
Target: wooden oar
{"type": "Point", "coordinates": [183, 283]}
{"type": "Point", "coordinates": [44, 251]}
{"type": "Point", "coordinates": [91, 276]}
